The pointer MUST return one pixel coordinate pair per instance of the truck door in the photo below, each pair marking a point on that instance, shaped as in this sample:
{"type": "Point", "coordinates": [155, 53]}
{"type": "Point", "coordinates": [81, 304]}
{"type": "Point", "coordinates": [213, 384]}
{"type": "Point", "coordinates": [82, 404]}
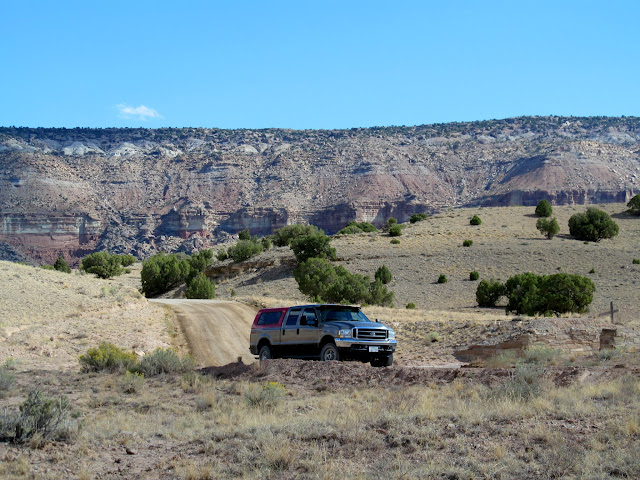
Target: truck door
{"type": "Point", "coordinates": [310, 335]}
{"type": "Point", "coordinates": [290, 333]}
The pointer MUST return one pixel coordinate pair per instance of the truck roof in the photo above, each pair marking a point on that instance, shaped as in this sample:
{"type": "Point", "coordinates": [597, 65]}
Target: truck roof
{"type": "Point", "coordinates": [312, 305]}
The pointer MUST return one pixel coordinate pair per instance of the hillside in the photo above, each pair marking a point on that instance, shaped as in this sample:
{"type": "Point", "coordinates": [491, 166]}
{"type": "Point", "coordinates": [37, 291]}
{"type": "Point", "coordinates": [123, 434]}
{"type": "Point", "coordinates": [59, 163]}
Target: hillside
{"type": "Point", "coordinates": [73, 191]}
{"type": "Point", "coordinates": [558, 414]}
{"type": "Point", "coordinates": [507, 243]}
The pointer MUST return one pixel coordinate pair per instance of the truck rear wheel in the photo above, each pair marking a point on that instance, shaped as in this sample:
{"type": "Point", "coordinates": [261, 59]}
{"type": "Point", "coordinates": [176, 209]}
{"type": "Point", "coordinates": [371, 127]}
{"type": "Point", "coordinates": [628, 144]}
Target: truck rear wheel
{"type": "Point", "coordinates": [329, 352]}
{"type": "Point", "coordinates": [265, 353]}
{"type": "Point", "coordinates": [382, 361]}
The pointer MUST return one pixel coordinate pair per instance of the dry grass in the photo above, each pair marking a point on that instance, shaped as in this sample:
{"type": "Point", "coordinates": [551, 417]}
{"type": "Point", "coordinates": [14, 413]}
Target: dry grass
{"type": "Point", "coordinates": [462, 429]}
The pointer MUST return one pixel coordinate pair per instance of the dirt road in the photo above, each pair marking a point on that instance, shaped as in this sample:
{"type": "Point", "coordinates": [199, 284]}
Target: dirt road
{"type": "Point", "coordinates": [217, 331]}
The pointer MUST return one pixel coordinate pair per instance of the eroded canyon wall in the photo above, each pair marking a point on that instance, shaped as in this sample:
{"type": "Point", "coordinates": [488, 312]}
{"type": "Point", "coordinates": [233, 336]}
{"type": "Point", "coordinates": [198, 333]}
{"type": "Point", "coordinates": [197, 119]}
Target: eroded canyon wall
{"type": "Point", "coordinates": [73, 191]}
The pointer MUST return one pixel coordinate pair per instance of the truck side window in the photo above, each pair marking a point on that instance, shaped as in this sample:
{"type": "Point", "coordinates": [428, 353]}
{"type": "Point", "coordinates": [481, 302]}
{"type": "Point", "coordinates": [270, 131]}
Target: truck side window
{"type": "Point", "coordinates": [310, 313]}
{"type": "Point", "coordinates": [292, 319]}
{"type": "Point", "coordinates": [269, 318]}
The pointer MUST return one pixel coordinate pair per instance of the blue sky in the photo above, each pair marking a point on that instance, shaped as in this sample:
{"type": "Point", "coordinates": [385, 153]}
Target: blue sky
{"type": "Point", "coordinates": [313, 64]}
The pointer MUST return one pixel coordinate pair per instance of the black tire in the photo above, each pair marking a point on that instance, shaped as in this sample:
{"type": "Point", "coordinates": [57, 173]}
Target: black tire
{"type": "Point", "coordinates": [382, 361]}
{"type": "Point", "coordinates": [265, 353]}
{"type": "Point", "coordinates": [329, 352]}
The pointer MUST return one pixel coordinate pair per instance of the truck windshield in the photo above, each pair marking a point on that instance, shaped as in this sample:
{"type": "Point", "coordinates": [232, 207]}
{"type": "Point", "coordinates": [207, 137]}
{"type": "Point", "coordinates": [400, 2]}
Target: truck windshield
{"type": "Point", "coordinates": [341, 314]}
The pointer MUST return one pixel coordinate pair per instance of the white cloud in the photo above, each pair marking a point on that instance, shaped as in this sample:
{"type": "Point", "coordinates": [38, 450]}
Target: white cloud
{"type": "Point", "coordinates": [142, 112]}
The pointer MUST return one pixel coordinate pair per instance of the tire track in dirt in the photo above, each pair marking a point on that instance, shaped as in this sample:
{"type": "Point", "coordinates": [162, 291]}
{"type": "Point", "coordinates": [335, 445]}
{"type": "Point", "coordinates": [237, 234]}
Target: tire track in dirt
{"type": "Point", "coordinates": [217, 331]}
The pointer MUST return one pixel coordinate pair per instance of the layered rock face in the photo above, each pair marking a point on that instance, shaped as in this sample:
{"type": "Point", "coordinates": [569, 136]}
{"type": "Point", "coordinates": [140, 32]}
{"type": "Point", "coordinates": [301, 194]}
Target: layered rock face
{"type": "Point", "coordinates": [72, 191]}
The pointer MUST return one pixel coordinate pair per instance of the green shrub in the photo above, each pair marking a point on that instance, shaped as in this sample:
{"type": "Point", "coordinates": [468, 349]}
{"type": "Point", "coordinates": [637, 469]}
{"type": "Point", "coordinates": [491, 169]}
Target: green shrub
{"type": "Point", "coordinates": [392, 221]}
{"type": "Point", "coordinates": [161, 273]}
{"type": "Point", "coordinates": [473, 276]}
{"type": "Point", "coordinates": [523, 293]}
{"type": "Point", "coordinates": [549, 228]}
{"type": "Point", "coordinates": [383, 274]}
{"type": "Point", "coordinates": [201, 260]}
{"type": "Point", "coordinates": [395, 241]}
{"type": "Point", "coordinates": [244, 235]}
{"type": "Point", "coordinates": [395, 230]}
{"type": "Point", "coordinates": [489, 292]}
{"type": "Point", "coordinates": [475, 220]}
{"type": "Point", "coordinates": [132, 382]}
{"type": "Point", "coordinates": [318, 279]}
{"type": "Point", "coordinates": [222, 254]}
{"type": "Point", "coordinates": [418, 217]}
{"type": "Point", "coordinates": [378, 294]}
{"type": "Point", "coordinates": [201, 287]}
{"type": "Point", "coordinates": [266, 396]}
{"type": "Point", "coordinates": [355, 227]}
{"type": "Point", "coordinates": [266, 243]}
{"type": "Point", "coordinates": [636, 261]}
{"type": "Point", "coordinates": [127, 260]}
{"type": "Point", "coordinates": [532, 294]}
{"type": "Point", "coordinates": [540, 354]}
{"type": "Point", "coordinates": [316, 245]}
{"type": "Point", "coordinates": [634, 205]}
{"type": "Point", "coordinates": [39, 416]}
{"type": "Point", "coordinates": [350, 229]}
{"type": "Point", "coordinates": [467, 243]}
{"type": "Point", "coordinates": [191, 382]}
{"type": "Point", "coordinates": [102, 264]}
{"type": "Point", "coordinates": [244, 250]}
{"type": "Point", "coordinates": [367, 227]}
{"type": "Point", "coordinates": [442, 278]}
{"type": "Point", "coordinates": [544, 209]}
{"type": "Point", "coordinates": [7, 380]}
{"type": "Point", "coordinates": [607, 354]}
{"type": "Point", "coordinates": [47, 267]}
{"type": "Point", "coordinates": [593, 225]}
{"type": "Point", "coordinates": [108, 357]}
{"type": "Point", "coordinates": [61, 265]}
{"type": "Point", "coordinates": [593, 270]}
{"type": "Point", "coordinates": [282, 237]}
{"type": "Point", "coordinates": [164, 361]}
{"type": "Point", "coordinates": [410, 306]}
{"type": "Point", "coordinates": [525, 382]}
{"type": "Point", "coordinates": [433, 337]}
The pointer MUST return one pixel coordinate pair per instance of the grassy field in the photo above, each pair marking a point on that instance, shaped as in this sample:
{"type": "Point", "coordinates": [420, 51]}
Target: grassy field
{"type": "Point", "coordinates": [547, 416]}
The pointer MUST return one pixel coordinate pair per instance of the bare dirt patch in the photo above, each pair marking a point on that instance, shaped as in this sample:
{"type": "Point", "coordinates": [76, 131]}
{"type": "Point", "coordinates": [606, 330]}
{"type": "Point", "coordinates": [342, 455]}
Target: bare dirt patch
{"type": "Point", "coordinates": [217, 332]}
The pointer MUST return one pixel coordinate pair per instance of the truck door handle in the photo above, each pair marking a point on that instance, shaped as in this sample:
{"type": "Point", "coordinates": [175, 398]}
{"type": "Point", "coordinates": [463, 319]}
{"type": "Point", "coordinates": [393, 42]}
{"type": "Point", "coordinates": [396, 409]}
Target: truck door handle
{"type": "Point", "coordinates": [283, 330]}
{"type": "Point", "coordinates": [298, 331]}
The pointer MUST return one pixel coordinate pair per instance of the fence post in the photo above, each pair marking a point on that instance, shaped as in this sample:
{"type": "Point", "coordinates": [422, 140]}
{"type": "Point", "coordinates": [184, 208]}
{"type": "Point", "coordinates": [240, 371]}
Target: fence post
{"type": "Point", "coordinates": [612, 313]}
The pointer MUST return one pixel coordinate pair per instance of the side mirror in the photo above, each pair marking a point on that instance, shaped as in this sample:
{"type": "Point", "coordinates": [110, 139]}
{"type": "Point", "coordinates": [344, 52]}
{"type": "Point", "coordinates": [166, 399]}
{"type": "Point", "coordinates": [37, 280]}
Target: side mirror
{"type": "Point", "coordinates": [377, 320]}
{"type": "Point", "coordinates": [313, 322]}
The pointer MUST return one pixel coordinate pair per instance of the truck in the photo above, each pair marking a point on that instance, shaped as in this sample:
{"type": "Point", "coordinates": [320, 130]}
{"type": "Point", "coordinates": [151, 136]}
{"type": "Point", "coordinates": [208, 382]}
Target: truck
{"type": "Point", "coordinates": [321, 331]}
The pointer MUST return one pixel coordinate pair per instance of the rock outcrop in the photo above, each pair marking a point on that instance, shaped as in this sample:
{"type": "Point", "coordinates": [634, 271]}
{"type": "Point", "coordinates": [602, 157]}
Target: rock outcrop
{"type": "Point", "coordinates": [72, 191]}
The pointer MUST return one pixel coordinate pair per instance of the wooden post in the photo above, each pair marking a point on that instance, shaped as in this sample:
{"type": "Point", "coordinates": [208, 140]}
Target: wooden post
{"type": "Point", "coordinates": [612, 313]}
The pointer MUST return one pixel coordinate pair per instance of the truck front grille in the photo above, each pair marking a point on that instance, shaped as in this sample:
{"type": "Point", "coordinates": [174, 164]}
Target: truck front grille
{"type": "Point", "coordinates": [370, 333]}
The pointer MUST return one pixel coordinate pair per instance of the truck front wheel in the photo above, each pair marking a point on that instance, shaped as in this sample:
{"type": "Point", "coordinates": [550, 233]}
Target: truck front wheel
{"type": "Point", "coordinates": [329, 352]}
{"type": "Point", "coordinates": [265, 353]}
{"type": "Point", "coordinates": [382, 361]}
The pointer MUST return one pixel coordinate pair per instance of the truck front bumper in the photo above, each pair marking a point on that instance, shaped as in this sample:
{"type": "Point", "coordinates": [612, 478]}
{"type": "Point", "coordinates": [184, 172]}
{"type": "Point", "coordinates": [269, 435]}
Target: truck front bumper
{"type": "Point", "coordinates": [360, 346]}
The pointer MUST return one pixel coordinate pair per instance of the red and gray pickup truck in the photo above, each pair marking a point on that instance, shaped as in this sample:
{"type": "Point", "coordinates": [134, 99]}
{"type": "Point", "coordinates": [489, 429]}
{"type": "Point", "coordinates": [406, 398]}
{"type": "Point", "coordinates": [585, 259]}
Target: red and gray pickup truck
{"type": "Point", "coordinates": [325, 331]}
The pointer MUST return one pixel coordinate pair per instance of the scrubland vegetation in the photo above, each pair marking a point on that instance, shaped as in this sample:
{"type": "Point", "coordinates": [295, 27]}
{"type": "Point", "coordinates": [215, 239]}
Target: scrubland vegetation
{"type": "Point", "coordinates": [516, 425]}
{"type": "Point", "coordinates": [543, 414]}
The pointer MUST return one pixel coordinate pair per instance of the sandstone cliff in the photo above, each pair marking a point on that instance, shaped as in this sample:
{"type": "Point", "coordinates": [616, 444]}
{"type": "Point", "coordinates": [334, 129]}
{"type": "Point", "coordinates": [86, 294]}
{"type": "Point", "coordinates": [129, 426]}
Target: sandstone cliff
{"type": "Point", "coordinates": [71, 191]}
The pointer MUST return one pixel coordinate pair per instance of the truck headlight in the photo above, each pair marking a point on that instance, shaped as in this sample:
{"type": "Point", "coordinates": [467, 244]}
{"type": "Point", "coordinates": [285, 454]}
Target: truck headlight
{"type": "Point", "coordinates": [344, 333]}
{"type": "Point", "coordinates": [392, 334]}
